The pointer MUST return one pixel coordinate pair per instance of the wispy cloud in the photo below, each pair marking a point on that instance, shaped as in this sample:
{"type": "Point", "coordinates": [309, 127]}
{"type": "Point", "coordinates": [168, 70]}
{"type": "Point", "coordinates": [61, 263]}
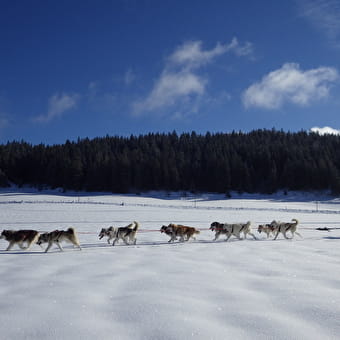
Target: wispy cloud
{"type": "Point", "coordinates": [290, 84]}
{"type": "Point", "coordinates": [191, 55]}
{"type": "Point", "coordinates": [129, 77]}
{"type": "Point", "coordinates": [325, 130]}
{"type": "Point", "coordinates": [324, 15]}
{"type": "Point", "coordinates": [58, 104]}
{"type": "Point", "coordinates": [180, 82]}
{"type": "Point", "coordinates": [170, 88]}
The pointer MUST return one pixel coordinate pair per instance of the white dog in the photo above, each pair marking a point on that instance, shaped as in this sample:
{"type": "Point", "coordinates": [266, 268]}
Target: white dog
{"type": "Point", "coordinates": [127, 233]}
{"type": "Point", "coordinates": [57, 236]}
{"type": "Point", "coordinates": [284, 227]}
{"type": "Point", "coordinates": [232, 229]}
{"type": "Point", "coordinates": [266, 228]}
{"type": "Point", "coordinates": [109, 232]}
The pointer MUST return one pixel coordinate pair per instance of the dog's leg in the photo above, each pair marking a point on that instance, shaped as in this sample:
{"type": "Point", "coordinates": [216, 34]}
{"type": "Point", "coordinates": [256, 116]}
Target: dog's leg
{"type": "Point", "coordinates": [125, 240]}
{"type": "Point", "coordinates": [20, 244]}
{"type": "Point", "coordinates": [76, 244]}
{"type": "Point", "coordinates": [251, 234]}
{"type": "Point", "coordinates": [59, 245]}
{"type": "Point", "coordinates": [114, 241]}
{"type": "Point", "coordinates": [228, 236]}
{"type": "Point", "coordinates": [28, 246]}
{"type": "Point", "coordinates": [277, 234]}
{"type": "Point", "coordinates": [217, 235]}
{"type": "Point", "coordinates": [285, 235]}
{"type": "Point", "coordinates": [298, 234]}
{"type": "Point", "coordinates": [48, 247]}
{"type": "Point", "coordinates": [238, 235]}
{"type": "Point", "coordinates": [11, 244]}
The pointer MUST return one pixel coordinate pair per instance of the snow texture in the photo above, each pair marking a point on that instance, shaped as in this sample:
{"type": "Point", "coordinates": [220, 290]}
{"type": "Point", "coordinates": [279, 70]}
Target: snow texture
{"type": "Point", "coordinates": [248, 289]}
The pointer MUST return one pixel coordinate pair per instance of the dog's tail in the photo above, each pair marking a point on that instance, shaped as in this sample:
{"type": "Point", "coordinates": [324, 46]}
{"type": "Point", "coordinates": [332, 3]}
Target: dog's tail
{"type": "Point", "coordinates": [296, 222]}
{"type": "Point", "coordinates": [136, 226]}
{"type": "Point", "coordinates": [197, 231]}
{"type": "Point", "coordinates": [71, 230]}
{"type": "Point", "coordinates": [74, 234]}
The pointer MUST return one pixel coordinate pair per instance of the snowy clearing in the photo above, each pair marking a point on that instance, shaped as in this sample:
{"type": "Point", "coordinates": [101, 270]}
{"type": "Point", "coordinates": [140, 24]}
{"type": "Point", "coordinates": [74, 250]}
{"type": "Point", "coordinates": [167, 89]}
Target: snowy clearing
{"type": "Point", "coordinates": [249, 289]}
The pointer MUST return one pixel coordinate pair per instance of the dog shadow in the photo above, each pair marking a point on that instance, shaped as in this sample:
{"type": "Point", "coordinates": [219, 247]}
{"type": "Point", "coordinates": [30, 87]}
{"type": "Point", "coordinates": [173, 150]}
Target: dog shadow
{"type": "Point", "coordinates": [20, 252]}
{"type": "Point", "coordinates": [138, 244]}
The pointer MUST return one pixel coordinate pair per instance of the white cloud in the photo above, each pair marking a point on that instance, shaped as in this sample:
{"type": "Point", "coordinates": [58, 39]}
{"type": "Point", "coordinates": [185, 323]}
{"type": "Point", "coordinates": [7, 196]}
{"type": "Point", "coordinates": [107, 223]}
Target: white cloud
{"type": "Point", "coordinates": [58, 104]}
{"type": "Point", "coordinates": [324, 15]}
{"type": "Point", "coordinates": [170, 88]}
{"type": "Point", "coordinates": [325, 130]}
{"type": "Point", "coordinates": [290, 84]}
{"type": "Point", "coordinates": [191, 54]}
{"type": "Point", "coordinates": [179, 81]}
{"type": "Point", "coordinates": [245, 50]}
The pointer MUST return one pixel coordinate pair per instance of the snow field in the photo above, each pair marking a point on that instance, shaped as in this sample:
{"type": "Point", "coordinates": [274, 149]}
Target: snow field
{"type": "Point", "coordinates": [264, 289]}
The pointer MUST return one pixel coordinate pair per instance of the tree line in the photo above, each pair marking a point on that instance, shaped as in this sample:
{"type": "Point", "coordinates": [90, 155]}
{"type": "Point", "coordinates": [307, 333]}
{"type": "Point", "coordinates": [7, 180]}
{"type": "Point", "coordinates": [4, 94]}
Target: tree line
{"type": "Point", "coordinates": [262, 161]}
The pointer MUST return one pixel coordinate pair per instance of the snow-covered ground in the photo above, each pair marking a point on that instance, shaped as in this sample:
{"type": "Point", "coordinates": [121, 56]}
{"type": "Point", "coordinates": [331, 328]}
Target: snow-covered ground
{"type": "Point", "coordinates": [263, 289]}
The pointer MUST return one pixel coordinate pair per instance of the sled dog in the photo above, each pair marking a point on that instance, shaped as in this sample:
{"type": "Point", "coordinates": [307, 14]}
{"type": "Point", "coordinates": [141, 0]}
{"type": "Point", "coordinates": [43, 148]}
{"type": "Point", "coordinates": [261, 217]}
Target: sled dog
{"type": "Point", "coordinates": [266, 228]}
{"type": "Point", "coordinates": [178, 230]}
{"type": "Point", "coordinates": [230, 229]}
{"type": "Point", "coordinates": [168, 231]}
{"type": "Point", "coordinates": [284, 227]}
{"type": "Point", "coordinates": [57, 236]}
{"type": "Point", "coordinates": [20, 237]}
{"type": "Point", "coordinates": [109, 232]}
{"type": "Point", "coordinates": [127, 233]}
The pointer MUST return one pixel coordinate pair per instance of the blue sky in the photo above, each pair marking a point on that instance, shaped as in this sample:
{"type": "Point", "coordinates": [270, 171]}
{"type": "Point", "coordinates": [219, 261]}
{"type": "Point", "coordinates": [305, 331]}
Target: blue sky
{"type": "Point", "coordinates": [74, 69]}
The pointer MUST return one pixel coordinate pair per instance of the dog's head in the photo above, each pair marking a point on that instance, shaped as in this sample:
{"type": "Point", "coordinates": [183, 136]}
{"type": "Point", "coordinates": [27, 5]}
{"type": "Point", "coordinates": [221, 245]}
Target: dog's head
{"type": "Point", "coordinates": [214, 226]}
{"type": "Point", "coordinates": [6, 233]}
{"type": "Point", "coordinates": [167, 229]}
{"type": "Point", "coordinates": [111, 231]}
{"type": "Point", "coordinates": [274, 223]}
{"type": "Point", "coordinates": [260, 228]}
{"type": "Point", "coordinates": [43, 238]}
{"type": "Point", "coordinates": [164, 229]}
{"type": "Point", "coordinates": [102, 233]}
{"type": "Point", "coordinates": [3, 234]}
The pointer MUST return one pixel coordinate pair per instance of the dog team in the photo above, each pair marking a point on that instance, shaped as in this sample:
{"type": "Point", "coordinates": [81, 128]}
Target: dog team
{"type": "Point", "coordinates": [26, 238]}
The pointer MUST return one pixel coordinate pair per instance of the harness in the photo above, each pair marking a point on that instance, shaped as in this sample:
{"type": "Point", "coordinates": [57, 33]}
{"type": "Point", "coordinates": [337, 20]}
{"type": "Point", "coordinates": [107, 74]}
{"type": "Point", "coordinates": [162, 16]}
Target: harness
{"type": "Point", "coordinates": [243, 226]}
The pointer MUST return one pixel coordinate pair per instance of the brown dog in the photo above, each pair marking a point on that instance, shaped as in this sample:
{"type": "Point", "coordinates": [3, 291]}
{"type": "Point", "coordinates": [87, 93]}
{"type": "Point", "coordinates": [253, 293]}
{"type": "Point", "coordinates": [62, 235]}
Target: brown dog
{"type": "Point", "coordinates": [178, 230]}
{"type": "Point", "coordinates": [20, 237]}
